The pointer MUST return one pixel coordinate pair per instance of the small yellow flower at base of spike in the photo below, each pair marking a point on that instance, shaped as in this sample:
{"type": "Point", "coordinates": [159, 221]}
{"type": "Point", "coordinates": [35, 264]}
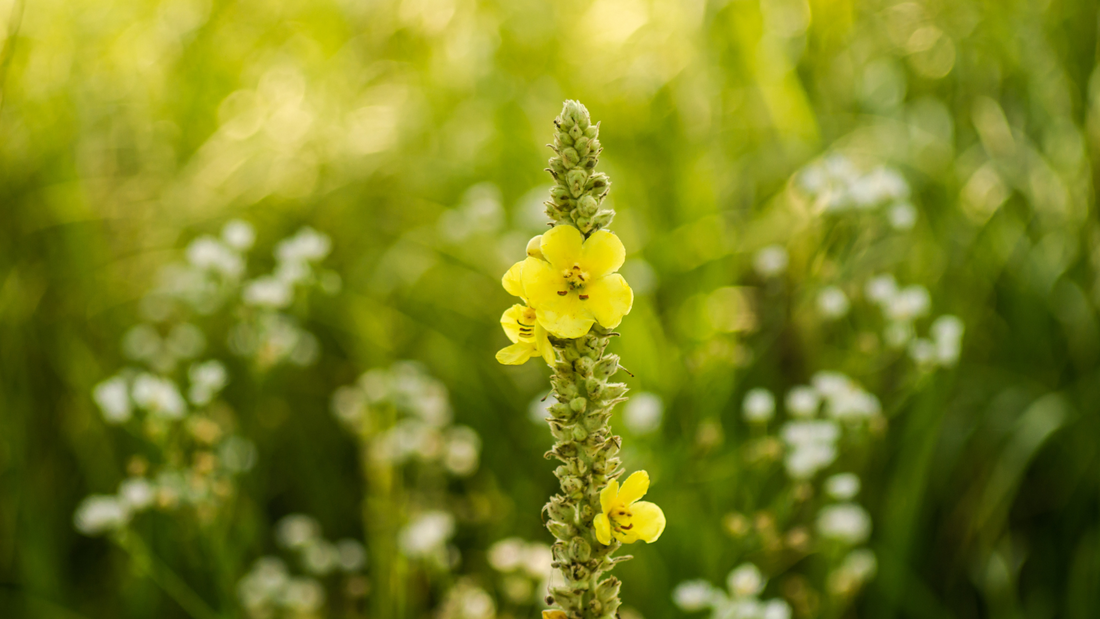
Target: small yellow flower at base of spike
{"type": "Point", "coordinates": [554, 614]}
{"type": "Point", "coordinates": [575, 283]}
{"type": "Point", "coordinates": [626, 518]}
{"type": "Point", "coordinates": [529, 337]}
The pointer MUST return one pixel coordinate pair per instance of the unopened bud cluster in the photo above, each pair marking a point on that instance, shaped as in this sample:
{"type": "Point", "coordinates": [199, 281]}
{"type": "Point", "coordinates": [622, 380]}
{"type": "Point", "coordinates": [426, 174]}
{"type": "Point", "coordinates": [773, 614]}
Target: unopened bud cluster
{"type": "Point", "coordinates": [579, 191]}
{"type": "Point", "coordinates": [589, 453]}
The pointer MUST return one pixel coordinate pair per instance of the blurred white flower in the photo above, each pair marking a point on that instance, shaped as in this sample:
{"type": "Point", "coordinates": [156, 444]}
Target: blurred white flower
{"type": "Point", "coordinates": [349, 404]}
{"type": "Point", "coordinates": [136, 494]}
{"type": "Point", "coordinates": [829, 384]}
{"type": "Point", "coordinates": [745, 581]}
{"type": "Point", "coordinates": [238, 234]}
{"type": "Point", "coordinates": [902, 216]}
{"type": "Point", "coordinates": [113, 398]}
{"type": "Point", "coordinates": [538, 560]}
{"type": "Point", "coordinates": [304, 595]}
{"type": "Point", "coordinates": [308, 245]}
{"type": "Point", "coordinates": [426, 534]}
{"type": "Point", "coordinates": [210, 254]}
{"type": "Point", "coordinates": [320, 557]}
{"type": "Point", "coordinates": [264, 584]}
{"type": "Point", "coordinates": [508, 554]}
{"type": "Point", "coordinates": [802, 402]}
{"type": "Point", "coordinates": [297, 531]}
{"type": "Point", "coordinates": [267, 291]}
{"type": "Point", "coordinates": [881, 288]}
{"type": "Point", "coordinates": [947, 332]}
{"type": "Point", "coordinates": [207, 379]}
{"type": "Point", "coordinates": [460, 455]}
{"type": "Point", "coordinates": [350, 555]}
{"type": "Point", "coordinates": [291, 273]}
{"type": "Point", "coordinates": [759, 405]}
{"type": "Point", "coordinates": [846, 522]}
{"type": "Point", "coordinates": [771, 261]}
{"type": "Point", "coordinates": [776, 609]}
{"type": "Point", "coordinates": [693, 595]}
{"type": "Point", "coordinates": [832, 302]}
{"type": "Point", "coordinates": [467, 601]}
{"type": "Point", "coordinates": [99, 514]}
{"type": "Point", "coordinates": [842, 486]}
{"type": "Point", "coordinates": [908, 304]}
{"type": "Point", "coordinates": [811, 446]}
{"type": "Point", "coordinates": [642, 414]}
{"type": "Point", "coordinates": [159, 396]}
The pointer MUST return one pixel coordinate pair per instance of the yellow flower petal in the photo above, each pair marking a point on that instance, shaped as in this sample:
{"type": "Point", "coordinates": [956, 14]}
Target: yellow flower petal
{"type": "Point", "coordinates": [516, 354]}
{"type": "Point", "coordinates": [541, 282]}
{"type": "Point", "coordinates": [534, 247]}
{"type": "Point", "coordinates": [609, 495]}
{"type": "Point", "coordinates": [602, 253]}
{"type": "Point", "coordinates": [554, 614]}
{"type": "Point", "coordinates": [648, 521]}
{"type": "Point", "coordinates": [511, 321]}
{"type": "Point", "coordinates": [609, 299]}
{"type": "Point", "coordinates": [561, 246]}
{"type": "Point", "coordinates": [603, 528]}
{"type": "Point", "coordinates": [634, 488]}
{"type": "Point", "coordinates": [569, 324]}
{"type": "Point", "coordinates": [546, 349]}
{"type": "Point", "coordinates": [513, 280]}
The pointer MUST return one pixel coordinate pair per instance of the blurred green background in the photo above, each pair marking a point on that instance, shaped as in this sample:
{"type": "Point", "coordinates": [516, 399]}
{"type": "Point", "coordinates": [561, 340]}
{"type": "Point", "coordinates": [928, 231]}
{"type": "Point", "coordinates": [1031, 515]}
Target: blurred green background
{"type": "Point", "coordinates": [412, 134]}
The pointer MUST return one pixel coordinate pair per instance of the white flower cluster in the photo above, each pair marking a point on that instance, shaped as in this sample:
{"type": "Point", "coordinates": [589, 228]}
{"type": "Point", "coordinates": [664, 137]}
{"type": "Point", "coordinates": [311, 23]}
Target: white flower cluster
{"type": "Point", "coordinates": [215, 274]}
{"type": "Point", "coordinates": [740, 599]}
{"type": "Point", "coordinates": [423, 430]}
{"type": "Point", "coordinates": [525, 568]}
{"type": "Point", "coordinates": [902, 307]}
{"type": "Point", "coordinates": [156, 404]}
{"type": "Point", "coordinates": [269, 589]}
{"type": "Point", "coordinates": [642, 413]}
{"type": "Point", "coordinates": [835, 185]}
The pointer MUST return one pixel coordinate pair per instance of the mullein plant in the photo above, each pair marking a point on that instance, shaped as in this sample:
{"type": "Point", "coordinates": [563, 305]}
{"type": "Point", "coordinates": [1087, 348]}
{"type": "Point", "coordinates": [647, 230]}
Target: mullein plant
{"type": "Point", "coordinates": [572, 300]}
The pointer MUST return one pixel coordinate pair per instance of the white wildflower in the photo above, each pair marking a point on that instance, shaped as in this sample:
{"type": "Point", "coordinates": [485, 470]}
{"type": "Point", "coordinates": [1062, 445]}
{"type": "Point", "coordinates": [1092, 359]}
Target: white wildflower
{"type": "Point", "coordinates": [307, 245]}
{"type": "Point", "coordinates": [136, 494]}
{"type": "Point", "coordinates": [842, 486]}
{"type": "Point", "coordinates": [210, 254]}
{"type": "Point", "coordinates": [159, 396]}
{"type": "Point", "coordinates": [776, 609]}
{"type": "Point", "coordinates": [846, 522]}
{"type": "Point", "coordinates": [460, 455]}
{"type": "Point", "coordinates": [902, 216]}
{"type": "Point", "coordinates": [881, 289]}
{"type": "Point", "coordinates": [642, 414]}
{"type": "Point", "coordinates": [745, 581]}
{"type": "Point", "coordinates": [350, 555]}
{"type": "Point", "coordinates": [99, 514]}
{"type": "Point", "coordinates": [207, 379]}
{"type": "Point", "coordinates": [238, 234]}
{"type": "Point", "coordinates": [759, 405]}
{"type": "Point", "coordinates": [507, 554]}
{"type": "Point", "coordinates": [802, 401]}
{"type": "Point", "coordinates": [832, 302]}
{"type": "Point", "coordinates": [426, 534]}
{"type": "Point", "coordinates": [297, 531]}
{"type": "Point", "coordinates": [692, 595]}
{"type": "Point", "coordinates": [113, 398]}
{"type": "Point", "coordinates": [267, 291]}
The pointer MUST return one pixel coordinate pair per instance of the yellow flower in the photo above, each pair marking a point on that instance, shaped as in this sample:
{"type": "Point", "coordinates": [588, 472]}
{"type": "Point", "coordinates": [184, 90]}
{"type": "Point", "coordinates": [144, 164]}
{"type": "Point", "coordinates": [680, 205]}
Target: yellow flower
{"type": "Point", "coordinates": [528, 337]}
{"type": "Point", "coordinates": [575, 283]}
{"type": "Point", "coordinates": [624, 516]}
{"type": "Point", "coordinates": [554, 614]}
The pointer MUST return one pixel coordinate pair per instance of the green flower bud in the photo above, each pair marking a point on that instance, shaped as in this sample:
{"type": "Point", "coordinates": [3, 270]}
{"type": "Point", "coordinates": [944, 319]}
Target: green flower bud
{"type": "Point", "coordinates": [578, 404]}
{"type": "Point", "coordinates": [575, 179]}
{"type": "Point", "coordinates": [560, 529]}
{"type": "Point", "coordinates": [587, 205]}
{"type": "Point", "coordinates": [579, 433]}
{"type": "Point", "coordinates": [581, 550]}
{"type": "Point", "coordinates": [584, 366]}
